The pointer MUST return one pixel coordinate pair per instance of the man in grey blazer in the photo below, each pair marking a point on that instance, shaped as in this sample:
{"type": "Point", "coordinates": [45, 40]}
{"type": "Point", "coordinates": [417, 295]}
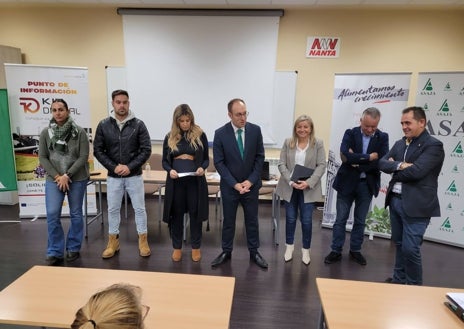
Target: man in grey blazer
{"type": "Point", "coordinates": [238, 153]}
{"type": "Point", "coordinates": [415, 163]}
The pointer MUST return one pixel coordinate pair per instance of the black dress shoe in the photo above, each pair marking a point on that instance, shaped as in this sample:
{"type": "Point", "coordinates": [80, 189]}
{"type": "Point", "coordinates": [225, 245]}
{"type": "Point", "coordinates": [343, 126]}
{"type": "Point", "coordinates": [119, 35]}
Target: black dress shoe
{"type": "Point", "coordinates": [258, 260]}
{"type": "Point", "coordinates": [53, 260]}
{"type": "Point", "coordinates": [390, 280]}
{"type": "Point", "coordinates": [333, 257]}
{"type": "Point", "coordinates": [71, 256]}
{"type": "Point", "coordinates": [221, 259]}
{"type": "Point", "coordinates": [358, 257]}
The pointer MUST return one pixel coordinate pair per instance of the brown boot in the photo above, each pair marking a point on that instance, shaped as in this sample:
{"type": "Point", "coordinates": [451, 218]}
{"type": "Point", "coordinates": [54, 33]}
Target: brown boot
{"type": "Point", "coordinates": [196, 255]}
{"type": "Point", "coordinates": [112, 247]}
{"type": "Point", "coordinates": [144, 249]}
{"type": "Point", "coordinates": [177, 255]}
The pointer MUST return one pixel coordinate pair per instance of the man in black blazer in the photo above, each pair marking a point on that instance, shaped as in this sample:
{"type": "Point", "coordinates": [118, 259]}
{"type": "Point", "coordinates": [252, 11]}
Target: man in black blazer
{"type": "Point", "coordinates": [357, 180]}
{"type": "Point", "coordinates": [238, 154]}
{"type": "Point", "coordinates": [415, 163]}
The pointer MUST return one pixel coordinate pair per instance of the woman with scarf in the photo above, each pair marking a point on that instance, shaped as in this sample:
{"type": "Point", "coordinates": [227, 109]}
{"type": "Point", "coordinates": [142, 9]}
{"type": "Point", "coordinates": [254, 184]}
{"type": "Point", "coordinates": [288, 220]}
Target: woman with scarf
{"type": "Point", "coordinates": [64, 153]}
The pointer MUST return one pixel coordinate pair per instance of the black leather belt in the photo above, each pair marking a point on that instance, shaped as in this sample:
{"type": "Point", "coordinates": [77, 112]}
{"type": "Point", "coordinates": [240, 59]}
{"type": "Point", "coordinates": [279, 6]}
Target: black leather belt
{"type": "Point", "coordinates": [396, 195]}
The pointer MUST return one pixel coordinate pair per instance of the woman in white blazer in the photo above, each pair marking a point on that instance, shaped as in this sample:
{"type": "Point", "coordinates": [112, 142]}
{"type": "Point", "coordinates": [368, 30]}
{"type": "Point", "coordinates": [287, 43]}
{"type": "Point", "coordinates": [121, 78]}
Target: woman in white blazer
{"type": "Point", "coordinates": [305, 149]}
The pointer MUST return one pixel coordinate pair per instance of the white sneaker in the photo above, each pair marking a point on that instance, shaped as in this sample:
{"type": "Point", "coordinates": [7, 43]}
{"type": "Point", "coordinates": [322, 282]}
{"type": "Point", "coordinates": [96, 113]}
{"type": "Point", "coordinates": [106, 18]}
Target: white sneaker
{"type": "Point", "coordinates": [305, 256]}
{"type": "Point", "coordinates": [288, 252]}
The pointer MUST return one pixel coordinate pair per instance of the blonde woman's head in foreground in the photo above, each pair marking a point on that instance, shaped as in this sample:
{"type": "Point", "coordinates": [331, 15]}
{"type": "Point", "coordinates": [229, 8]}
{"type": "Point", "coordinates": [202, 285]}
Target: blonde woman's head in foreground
{"type": "Point", "coordinates": [116, 307]}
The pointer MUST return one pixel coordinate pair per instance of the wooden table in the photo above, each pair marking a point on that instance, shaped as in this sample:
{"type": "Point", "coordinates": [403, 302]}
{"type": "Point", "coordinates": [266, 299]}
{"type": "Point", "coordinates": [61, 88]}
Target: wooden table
{"type": "Point", "coordinates": [159, 177]}
{"type": "Point", "coordinates": [356, 304]}
{"type": "Point", "coordinates": [50, 296]}
{"type": "Point", "coordinates": [100, 176]}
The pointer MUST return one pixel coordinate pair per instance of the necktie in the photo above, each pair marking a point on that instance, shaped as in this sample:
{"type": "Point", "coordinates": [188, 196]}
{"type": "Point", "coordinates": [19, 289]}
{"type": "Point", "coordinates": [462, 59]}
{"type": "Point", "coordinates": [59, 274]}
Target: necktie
{"type": "Point", "coordinates": [240, 141]}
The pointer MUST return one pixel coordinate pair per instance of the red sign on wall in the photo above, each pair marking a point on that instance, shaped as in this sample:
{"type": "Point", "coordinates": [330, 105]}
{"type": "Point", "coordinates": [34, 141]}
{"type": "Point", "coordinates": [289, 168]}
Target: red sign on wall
{"type": "Point", "coordinates": [322, 47]}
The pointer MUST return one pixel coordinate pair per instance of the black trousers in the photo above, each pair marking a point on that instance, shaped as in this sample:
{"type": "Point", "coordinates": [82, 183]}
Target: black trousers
{"type": "Point", "coordinates": [249, 201]}
{"type": "Point", "coordinates": [185, 201]}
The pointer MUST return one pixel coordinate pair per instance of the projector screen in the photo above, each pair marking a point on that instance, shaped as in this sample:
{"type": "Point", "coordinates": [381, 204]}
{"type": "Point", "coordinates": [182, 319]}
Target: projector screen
{"type": "Point", "coordinates": [282, 114]}
{"type": "Point", "coordinates": [203, 61]}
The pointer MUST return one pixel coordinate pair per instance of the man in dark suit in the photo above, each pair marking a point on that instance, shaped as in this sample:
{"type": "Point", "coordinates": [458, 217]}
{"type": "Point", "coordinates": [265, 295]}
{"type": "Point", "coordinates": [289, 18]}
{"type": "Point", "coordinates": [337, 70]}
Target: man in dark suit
{"type": "Point", "coordinates": [415, 162]}
{"type": "Point", "coordinates": [238, 154]}
{"type": "Point", "coordinates": [357, 180]}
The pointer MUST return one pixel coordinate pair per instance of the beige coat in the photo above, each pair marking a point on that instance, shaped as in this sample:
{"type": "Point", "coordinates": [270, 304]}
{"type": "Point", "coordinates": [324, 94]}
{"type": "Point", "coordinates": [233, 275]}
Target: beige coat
{"type": "Point", "coordinates": [315, 159]}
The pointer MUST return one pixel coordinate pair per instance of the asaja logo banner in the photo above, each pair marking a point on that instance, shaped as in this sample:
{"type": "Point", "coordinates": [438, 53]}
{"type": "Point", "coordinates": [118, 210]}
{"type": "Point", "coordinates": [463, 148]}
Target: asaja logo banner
{"type": "Point", "coordinates": [444, 109]}
{"type": "Point", "coordinates": [446, 226]}
{"type": "Point", "coordinates": [428, 88]}
{"type": "Point", "coordinates": [447, 87]}
{"type": "Point", "coordinates": [322, 47]}
{"type": "Point", "coordinates": [457, 151]}
{"type": "Point", "coordinates": [452, 189]}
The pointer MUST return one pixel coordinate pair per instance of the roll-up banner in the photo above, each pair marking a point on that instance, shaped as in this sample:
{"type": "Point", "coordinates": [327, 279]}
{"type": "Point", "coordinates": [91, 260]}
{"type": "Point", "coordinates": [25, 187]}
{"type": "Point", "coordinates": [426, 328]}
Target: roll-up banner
{"type": "Point", "coordinates": [31, 89]}
{"type": "Point", "coordinates": [441, 94]}
{"type": "Point", "coordinates": [8, 173]}
{"type": "Point", "coordinates": [353, 93]}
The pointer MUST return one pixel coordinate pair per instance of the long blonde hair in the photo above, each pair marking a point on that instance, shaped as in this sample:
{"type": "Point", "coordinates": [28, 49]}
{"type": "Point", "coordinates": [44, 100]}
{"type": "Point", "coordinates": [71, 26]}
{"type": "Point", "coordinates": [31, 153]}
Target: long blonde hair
{"type": "Point", "coordinates": [116, 307]}
{"type": "Point", "coordinates": [312, 135]}
{"type": "Point", "coordinates": [192, 135]}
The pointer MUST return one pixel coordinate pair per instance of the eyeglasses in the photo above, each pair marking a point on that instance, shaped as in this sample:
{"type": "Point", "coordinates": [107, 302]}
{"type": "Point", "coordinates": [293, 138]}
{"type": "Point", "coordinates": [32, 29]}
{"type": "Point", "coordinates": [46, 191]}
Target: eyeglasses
{"type": "Point", "coordinates": [239, 115]}
{"type": "Point", "coordinates": [145, 310]}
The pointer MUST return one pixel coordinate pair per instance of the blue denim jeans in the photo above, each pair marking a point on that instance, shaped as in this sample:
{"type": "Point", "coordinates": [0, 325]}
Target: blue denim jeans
{"type": "Point", "coordinates": [54, 203]}
{"type": "Point", "coordinates": [306, 217]}
{"type": "Point", "coordinates": [362, 199]}
{"type": "Point", "coordinates": [407, 234]}
{"type": "Point", "coordinates": [115, 188]}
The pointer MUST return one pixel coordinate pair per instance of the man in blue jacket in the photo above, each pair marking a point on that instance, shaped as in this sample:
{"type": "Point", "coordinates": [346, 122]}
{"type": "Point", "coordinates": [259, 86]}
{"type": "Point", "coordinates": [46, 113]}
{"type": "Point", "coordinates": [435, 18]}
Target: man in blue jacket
{"type": "Point", "coordinates": [357, 180]}
{"type": "Point", "coordinates": [415, 163]}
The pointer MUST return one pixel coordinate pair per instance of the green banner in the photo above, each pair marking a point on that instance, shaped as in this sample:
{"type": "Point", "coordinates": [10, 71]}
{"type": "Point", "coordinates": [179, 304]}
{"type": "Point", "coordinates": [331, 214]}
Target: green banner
{"type": "Point", "coordinates": [8, 171]}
